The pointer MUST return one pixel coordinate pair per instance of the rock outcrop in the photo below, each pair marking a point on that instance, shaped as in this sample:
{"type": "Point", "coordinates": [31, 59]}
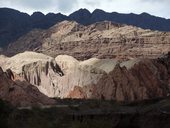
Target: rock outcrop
{"type": "Point", "coordinates": [21, 93]}
{"type": "Point", "coordinates": [145, 80]}
{"type": "Point", "coordinates": [66, 77]}
{"type": "Point", "coordinates": [35, 68]}
{"type": "Point", "coordinates": [45, 72]}
{"type": "Point", "coordinates": [99, 40]}
{"type": "Point", "coordinates": [132, 80]}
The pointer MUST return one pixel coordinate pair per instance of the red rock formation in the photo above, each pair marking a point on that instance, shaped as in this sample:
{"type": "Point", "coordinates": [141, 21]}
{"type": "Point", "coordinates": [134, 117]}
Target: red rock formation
{"type": "Point", "coordinates": [136, 79]}
{"type": "Point", "coordinates": [145, 80]}
{"type": "Point", "coordinates": [77, 93]}
{"type": "Point", "coordinates": [21, 93]}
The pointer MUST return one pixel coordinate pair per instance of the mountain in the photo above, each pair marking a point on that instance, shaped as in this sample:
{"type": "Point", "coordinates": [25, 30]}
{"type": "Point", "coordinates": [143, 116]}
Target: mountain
{"type": "Point", "coordinates": [14, 24]}
{"type": "Point", "coordinates": [101, 40]}
{"type": "Point", "coordinates": [81, 16]}
{"type": "Point", "coordinates": [66, 77]}
{"type": "Point", "coordinates": [143, 20]}
{"type": "Point", "coordinates": [20, 93]}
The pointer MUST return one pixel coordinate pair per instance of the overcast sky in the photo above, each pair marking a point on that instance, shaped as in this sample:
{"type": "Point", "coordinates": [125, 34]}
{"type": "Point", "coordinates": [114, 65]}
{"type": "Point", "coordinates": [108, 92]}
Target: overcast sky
{"type": "Point", "coordinates": [154, 7]}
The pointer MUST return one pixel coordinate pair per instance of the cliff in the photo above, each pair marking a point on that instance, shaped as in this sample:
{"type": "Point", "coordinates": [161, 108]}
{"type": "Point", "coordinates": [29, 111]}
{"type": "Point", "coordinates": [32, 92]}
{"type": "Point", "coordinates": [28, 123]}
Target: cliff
{"type": "Point", "coordinates": [20, 93]}
{"type": "Point", "coordinates": [66, 77]}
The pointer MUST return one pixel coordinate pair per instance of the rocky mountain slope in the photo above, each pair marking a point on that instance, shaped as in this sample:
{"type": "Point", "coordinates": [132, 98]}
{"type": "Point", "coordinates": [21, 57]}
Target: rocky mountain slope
{"type": "Point", "coordinates": [101, 40]}
{"type": "Point", "coordinates": [66, 77]}
{"type": "Point", "coordinates": [35, 68]}
{"type": "Point", "coordinates": [19, 92]}
{"type": "Point", "coordinates": [14, 24]}
{"type": "Point", "coordinates": [131, 80]}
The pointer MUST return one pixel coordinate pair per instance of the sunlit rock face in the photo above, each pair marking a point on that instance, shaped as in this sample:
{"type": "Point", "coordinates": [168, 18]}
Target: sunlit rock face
{"type": "Point", "coordinates": [57, 77]}
{"type": "Point", "coordinates": [35, 68]}
{"type": "Point", "coordinates": [131, 80]}
{"type": "Point", "coordinates": [66, 77]}
{"type": "Point", "coordinates": [81, 73]}
{"type": "Point", "coordinates": [99, 40]}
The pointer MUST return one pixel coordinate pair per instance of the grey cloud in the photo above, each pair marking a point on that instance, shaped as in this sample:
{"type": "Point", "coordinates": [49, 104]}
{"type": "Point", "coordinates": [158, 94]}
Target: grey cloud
{"type": "Point", "coordinates": [156, 1]}
{"type": "Point", "coordinates": [91, 2]}
{"type": "Point", "coordinates": [66, 5]}
{"type": "Point", "coordinates": [34, 4]}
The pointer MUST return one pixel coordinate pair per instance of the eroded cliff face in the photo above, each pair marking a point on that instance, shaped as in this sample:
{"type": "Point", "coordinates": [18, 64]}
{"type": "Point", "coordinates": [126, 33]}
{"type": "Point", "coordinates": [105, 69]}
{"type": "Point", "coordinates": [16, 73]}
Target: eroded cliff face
{"type": "Point", "coordinates": [78, 74]}
{"type": "Point", "coordinates": [57, 77]}
{"type": "Point", "coordinates": [19, 92]}
{"type": "Point", "coordinates": [35, 68]}
{"type": "Point", "coordinates": [131, 80]}
{"type": "Point", "coordinates": [66, 77]}
{"type": "Point", "coordinates": [145, 80]}
{"type": "Point", "coordinates": [99, 40]}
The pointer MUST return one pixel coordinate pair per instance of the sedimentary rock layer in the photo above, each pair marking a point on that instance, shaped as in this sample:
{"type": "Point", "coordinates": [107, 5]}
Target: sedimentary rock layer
{"type": "Point", "coordinates": [66, 77]}
{"type": "Point", "coordinates": [100, 40]}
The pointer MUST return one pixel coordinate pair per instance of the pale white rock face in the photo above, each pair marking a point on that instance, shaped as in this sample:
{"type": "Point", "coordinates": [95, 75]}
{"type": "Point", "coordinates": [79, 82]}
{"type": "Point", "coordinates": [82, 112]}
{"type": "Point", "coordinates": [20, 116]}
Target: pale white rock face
{"type": "Point", "coordinates": [3, 60]}
{"type": "Point", "coordinates": [106, 65]}
{"type": "Point", "coordinates": [16, 62]}
{"type": "Point", "coordinates": [130, 63]}
{"type": "Point", "coordinates": [36, 68]}
{"type": "Point", "coordinates": [46, 73]}
{"type": "Point", "coordinates": [76, 74]}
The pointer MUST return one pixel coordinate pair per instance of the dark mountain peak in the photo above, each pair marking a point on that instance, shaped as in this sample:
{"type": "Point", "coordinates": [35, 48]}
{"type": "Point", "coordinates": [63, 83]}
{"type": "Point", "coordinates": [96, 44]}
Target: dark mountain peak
{"type": "Point", "coordinates": [8, 10]}
{"type": "Point", "coordinates": [50, 14]}
{"type": "Point", "coordinates": [145, 14]}
{"type": "Point", "coordinates": [97, 11]}
{"type": "Point", "coordinates": [131, 14]}
{"type": "Point", "coordinates": [81, 16]}
{"type": "Point", "coordinates": [84, 10]}
{"type": "Point", "coordinates": [37, 14]}
{"type": "Point", "coordinates": [55, 15]}
{"type": "Point", "coordinates": [81, 11]}
{"type": "Point", "coordinates": [36, 19]}
{"type": "Point", "coordinates": [11, 12]}
{"type": "Point", "coordinates": [114, 13]}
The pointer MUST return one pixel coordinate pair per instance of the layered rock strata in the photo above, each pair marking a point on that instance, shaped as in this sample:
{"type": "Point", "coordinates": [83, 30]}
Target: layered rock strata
{"type": "Point", "coordinates": [99, 40]}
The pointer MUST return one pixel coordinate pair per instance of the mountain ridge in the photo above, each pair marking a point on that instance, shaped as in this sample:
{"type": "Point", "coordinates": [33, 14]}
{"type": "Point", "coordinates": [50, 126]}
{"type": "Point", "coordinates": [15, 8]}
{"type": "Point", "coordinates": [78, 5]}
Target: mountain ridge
{"type": "Point", "coordinates": [101, 40]}
{"type": "Point", "coordinates": [14, 24]}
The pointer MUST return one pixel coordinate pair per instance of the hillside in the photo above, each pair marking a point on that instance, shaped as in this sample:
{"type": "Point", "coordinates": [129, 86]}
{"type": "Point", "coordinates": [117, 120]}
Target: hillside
{"type": "Point", "coordinates": [19, 92]}
{"type": "Point", "coordinates": [111, 79]}
{"type": "Point", "coordinates": [102, 40]}
{"type": "Point", "coordinates": [14, 24]}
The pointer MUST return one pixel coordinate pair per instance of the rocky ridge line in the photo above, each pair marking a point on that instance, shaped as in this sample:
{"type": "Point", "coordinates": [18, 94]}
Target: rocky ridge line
{"type": "Point", "coordinates": [99, 40]}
